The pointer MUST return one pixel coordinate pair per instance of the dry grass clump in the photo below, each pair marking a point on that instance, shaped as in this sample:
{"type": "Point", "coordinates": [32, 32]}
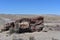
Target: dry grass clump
{"type": "Point", "coordinates": [18, 39]}
{"type": "Point", "coordinates": [54, 39]}
{"type": "Point", "coordinates": [31, 38]}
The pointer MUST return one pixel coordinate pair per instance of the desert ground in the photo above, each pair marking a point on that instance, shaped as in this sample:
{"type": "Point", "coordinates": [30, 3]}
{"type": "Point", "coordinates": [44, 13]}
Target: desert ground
{"type": "Point", "coordinates": [51, 25]}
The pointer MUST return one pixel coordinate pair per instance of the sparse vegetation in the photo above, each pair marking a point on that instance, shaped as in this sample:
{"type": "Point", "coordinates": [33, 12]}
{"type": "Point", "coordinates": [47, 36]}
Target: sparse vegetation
{"type": "Point", "coordinates": [31, 38]}
{"type": "Point", "coordinates": [54, 39]}
{"type": "Point", "coordinates": [18, 39]}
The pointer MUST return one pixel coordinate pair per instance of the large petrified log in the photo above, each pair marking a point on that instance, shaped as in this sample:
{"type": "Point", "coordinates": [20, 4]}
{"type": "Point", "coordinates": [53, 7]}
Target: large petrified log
{"type": "Point", "coordinates": [25, 25]}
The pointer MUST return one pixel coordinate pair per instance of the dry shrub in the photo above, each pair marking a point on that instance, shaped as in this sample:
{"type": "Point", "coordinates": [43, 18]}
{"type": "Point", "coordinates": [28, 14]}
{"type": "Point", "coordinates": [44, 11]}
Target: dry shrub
{"type": "Point", "coordinates": [54, 39]}
{"type": "Point", "coordinates": [31, 38]}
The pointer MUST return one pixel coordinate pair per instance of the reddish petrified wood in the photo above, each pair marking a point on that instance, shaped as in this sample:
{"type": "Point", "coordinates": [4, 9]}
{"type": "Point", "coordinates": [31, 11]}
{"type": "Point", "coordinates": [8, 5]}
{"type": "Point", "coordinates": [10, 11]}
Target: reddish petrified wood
{"type": "Point", "coordinates": [33, 24]}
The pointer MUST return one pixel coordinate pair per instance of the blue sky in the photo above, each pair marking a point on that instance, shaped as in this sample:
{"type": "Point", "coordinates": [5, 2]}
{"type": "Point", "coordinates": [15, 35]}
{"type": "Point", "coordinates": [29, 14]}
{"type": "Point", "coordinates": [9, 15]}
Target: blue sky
{"type": "Point", "coordinates": [30, 7]}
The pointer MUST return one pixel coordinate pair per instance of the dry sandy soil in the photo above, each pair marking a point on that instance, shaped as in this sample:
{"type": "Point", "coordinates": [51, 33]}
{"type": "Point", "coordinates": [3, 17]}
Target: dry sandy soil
{"type": "Point", "coordinates": [51, 35]}
{"type": "Point", "coordinates": [51, 23]}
